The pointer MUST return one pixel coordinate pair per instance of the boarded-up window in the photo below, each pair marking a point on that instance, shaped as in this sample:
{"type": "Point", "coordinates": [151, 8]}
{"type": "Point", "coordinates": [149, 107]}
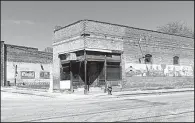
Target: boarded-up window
{"type": "Point", "coordinates": [27, 74]}
{"type": "Point", "coordinates": [113, 71]}
{"type": "Point", "coordinates": [44, 75]}
{"type": "Point", "coordinates": [175, 60]}
{"type": "Point", "coordinates": [148, 58]}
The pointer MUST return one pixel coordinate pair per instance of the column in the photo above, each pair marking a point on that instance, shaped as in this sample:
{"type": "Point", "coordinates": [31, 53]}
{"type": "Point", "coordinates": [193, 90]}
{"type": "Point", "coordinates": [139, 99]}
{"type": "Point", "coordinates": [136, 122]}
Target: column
{"type": "Point", "coordinates": [85, 65]}
{"type": "Point", "coordinates": [2, 63]}
{"type": "Point", "coordinates": [105, 74]}
{"type": "Point", "coordinates": [71, 78]}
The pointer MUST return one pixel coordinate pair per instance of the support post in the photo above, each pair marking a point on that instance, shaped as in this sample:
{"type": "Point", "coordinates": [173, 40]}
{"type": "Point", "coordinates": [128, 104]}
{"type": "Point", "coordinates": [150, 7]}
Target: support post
{"type": "Point", "coordinates": [51, 81]}
{"type": "Point", "coordinates": [15, 75]}
{"type": "Point", "coordinates": [85, 62]}
{"type": "Point", "coordinates": [105, 74]}
{"type": "Point", "coordinates": [71, 80]}
{"type": "Point", "coordinates": [79, 74]}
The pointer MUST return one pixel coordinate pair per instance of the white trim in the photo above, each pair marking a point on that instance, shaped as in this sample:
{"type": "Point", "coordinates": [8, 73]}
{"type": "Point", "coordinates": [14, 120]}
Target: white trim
{"type": "Point", "coordinates": [70, 51]}
{"type": "Point", "coordinates": [101, 50]}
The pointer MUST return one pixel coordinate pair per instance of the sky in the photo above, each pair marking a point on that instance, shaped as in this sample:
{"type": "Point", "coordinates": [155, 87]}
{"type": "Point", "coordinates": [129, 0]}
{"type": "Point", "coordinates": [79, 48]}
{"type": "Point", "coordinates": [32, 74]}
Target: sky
{"type": "Point", "coordinates": [31, 23]}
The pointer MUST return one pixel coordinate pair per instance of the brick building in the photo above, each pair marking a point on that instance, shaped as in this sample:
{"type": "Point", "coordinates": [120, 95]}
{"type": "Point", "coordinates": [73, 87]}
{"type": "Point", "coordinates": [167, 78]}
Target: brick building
{"type": "Point", "coordinates": [120, 55]}
{"type": "Point", "coordinates": [25, 66]}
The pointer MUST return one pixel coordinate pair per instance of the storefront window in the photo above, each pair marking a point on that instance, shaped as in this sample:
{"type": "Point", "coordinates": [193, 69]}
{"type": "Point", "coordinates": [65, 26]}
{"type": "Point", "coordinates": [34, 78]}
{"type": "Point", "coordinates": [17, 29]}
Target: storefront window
{"type": "Point", "coordinates": [65, 72]}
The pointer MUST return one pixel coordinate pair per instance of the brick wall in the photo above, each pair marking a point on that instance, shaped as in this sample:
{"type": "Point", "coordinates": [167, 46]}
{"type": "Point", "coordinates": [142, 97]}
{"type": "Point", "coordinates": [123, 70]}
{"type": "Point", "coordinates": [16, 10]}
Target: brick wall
{"type": "Point", "coordinates": [26, 54]}
{"type": "Point", "coordinates": [69, 31]}
{"type": "Point", "coordinates": [103, 43]}
{"type": "Point", "coordinates": [68, 45]}
{"type": "Point", "coordinates": [158, 83]}
{"type": "Point", "coordinates": [161, 46]}
{"type": "Point", "coordinates": [100, 28]}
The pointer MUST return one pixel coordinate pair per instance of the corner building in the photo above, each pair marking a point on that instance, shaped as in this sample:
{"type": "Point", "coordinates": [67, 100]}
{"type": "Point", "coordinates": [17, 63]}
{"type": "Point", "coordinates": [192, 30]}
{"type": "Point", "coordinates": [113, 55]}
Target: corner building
{"type": "Point", "coordinates": [90, 53]}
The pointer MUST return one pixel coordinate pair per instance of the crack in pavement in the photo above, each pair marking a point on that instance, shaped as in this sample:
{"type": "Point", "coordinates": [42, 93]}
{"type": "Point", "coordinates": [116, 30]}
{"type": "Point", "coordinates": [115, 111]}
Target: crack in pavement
{"type": "Point", "coordinates": [89, 113]}
{"type": "Point", "coordinates": [186, 112]}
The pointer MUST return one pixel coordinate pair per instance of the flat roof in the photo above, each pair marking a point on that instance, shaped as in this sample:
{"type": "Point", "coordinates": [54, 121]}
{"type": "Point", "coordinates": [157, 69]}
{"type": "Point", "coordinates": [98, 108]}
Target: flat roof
{"type": "Point", "coordinates": [29, 49]}
{"type": "Point", "coordinates": [12, 45]}
{"type": "Point", "coordinates": [121, 26]}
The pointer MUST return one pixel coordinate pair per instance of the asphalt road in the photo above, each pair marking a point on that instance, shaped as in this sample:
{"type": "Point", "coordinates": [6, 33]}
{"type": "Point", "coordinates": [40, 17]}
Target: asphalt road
{"type": "Point", "coordinates": [146, 108]}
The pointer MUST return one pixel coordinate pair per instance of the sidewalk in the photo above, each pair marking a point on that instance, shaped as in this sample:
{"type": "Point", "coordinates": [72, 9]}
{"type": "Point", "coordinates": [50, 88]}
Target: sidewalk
{"type": "Point", "coordinates": [46, 93]}
{"type": "Point", "coordinates": [138, 92]}
{"type": "Point", "coordinates": [36, 92]}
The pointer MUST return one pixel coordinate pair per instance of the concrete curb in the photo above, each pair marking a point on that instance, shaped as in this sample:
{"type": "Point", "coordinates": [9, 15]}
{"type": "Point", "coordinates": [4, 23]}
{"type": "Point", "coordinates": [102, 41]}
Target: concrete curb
{"type": "Point", "coordinates": [145, 92]}
{"type": "Point", "coordinates": [42, 95]}
{"type": "Point", "coordinates": [122, 93]}
{"type": "Point", "coordinates": [160, 90]}
{"type": "Point", "coordinates": [157, 92]}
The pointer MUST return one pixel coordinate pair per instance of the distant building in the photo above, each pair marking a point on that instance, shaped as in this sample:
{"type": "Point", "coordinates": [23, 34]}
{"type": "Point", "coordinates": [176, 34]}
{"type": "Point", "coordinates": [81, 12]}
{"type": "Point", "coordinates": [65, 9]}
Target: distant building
{"type": "Point", "coordinates": [48, 49]}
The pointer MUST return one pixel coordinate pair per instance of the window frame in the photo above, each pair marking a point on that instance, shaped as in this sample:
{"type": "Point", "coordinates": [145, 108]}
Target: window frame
{"type": "Point", "coordinates": [174, 59]}
{"type": "Point", "coordinates": [150, 59]}
{"type": "Point", "coordinates": [44, 75]}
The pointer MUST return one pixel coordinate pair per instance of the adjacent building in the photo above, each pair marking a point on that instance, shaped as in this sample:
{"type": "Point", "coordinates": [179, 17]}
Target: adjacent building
{"type": "Point", "coordinates": [25, 66]}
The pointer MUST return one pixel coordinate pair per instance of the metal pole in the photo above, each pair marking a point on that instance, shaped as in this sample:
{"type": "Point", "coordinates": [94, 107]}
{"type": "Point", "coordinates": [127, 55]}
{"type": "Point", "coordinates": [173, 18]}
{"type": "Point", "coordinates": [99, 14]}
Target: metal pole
{"type": "Point", "coordinates": [105, 74]}
{"type": "Point", "coordinates": [15, 75]}
{"type": "Point", "coordinates": [71, 81]}
{"type": "Point", "coordinates": [79, 73]}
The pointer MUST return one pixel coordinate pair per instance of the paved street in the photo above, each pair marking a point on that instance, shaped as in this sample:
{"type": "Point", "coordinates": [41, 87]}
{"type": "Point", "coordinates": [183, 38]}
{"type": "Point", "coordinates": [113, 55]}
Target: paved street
{"type": "Point", "coordinates": [128, 108]}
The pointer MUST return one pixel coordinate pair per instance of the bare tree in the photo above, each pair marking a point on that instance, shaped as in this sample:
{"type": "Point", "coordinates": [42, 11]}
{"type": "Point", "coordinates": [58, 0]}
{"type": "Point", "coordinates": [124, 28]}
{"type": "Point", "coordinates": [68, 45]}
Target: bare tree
{"type": "Point", "coordinates": [48, 49]}
{"type": "Point", "coordinates": [177, 28]}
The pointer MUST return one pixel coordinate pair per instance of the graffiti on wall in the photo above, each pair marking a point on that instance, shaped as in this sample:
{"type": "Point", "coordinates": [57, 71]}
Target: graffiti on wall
{"type": "Point", "coordinates": [155, 70]}
{"type": "Point", "coordinates": [27, 74]}
{"type": "Point", "coordinates": [44, 75]}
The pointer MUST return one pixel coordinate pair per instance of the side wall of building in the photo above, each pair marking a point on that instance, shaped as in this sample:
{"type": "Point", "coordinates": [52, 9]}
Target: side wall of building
{"type": "Point", "coordinates": [163, 47]}
{"type": "Point", "coordinates": [69, 31]}
{"type": "Point", "coordinates": [27, 66]}
{"type": "Point", "coordinates": [161, 73]}
{"type": "Point", "coordinates": [28, 73]}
